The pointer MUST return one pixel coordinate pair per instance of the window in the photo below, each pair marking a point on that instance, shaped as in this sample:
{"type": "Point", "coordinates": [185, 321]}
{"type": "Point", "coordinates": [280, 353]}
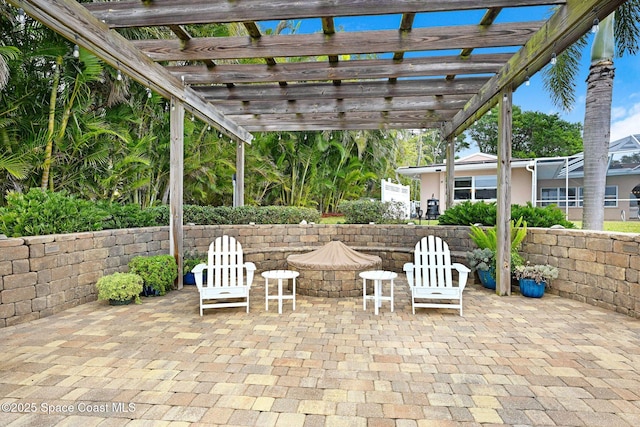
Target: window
{"type": "Point", "coordinates": [610, 196]}
{"type": "Point", "coordinates": [558, 196]}
{"type": "Point", "coordinates": [463, 188]}
{"type": "Point", "coordinates": [476, 188]}
{"type": "Point", "coordinates": [486, 187]}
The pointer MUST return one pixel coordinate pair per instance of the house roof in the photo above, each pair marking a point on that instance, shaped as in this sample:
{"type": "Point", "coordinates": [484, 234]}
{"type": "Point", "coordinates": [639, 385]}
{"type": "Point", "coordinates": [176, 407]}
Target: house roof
{"type": "Point", "coordinates": [474, 162]}
{"type": "Point", "coordinates": [624, 158]}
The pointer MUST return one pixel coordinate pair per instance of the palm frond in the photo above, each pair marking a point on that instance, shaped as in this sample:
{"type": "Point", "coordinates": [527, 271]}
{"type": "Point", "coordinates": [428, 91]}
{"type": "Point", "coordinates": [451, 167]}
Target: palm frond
{"type": "Point", "coordinates": [560, 79]}
{"type": "Point", "coordinates": [627, 28]}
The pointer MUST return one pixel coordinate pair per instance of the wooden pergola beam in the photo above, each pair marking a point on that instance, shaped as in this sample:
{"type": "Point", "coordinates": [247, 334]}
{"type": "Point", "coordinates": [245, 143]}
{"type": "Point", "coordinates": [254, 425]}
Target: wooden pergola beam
{"type": "Point", "coordinates": [346, 70]}
{"type": "Point", "coordinates": [359, 117]}
{"type": "Point", "coordinates": [338, 126]}
{"type": "Point", "coordinates": [134, 13]}
{"type": "Point", "coordinates": [424, 103]}
{"type": "Point", "coordinates": [364, 42]}
{"type": "Point", "coordinates": [71, 20]}
{"type": "Point", "coordinates": [566, 26]}
{"type": "Point", "coordinates": [380, 89]}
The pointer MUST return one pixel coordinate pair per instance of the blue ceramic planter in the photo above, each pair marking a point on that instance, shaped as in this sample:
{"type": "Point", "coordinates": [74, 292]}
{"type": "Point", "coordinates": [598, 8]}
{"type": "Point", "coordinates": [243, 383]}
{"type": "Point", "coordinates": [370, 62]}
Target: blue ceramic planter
{"type": "Point", "coordinates": [189, 279]}
{"type": "Point", "coordinates": [529, 288]}
{"type": "Point", "coordinates": [487, 278]}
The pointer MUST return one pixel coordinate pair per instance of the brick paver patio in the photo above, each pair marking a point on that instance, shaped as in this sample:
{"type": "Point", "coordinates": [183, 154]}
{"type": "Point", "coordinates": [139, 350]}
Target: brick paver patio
{"type": "Point", "coordinates": [509, 360]}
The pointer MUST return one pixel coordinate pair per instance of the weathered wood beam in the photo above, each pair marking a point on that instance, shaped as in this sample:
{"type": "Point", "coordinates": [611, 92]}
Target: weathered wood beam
{"type": "Point", "coordinates": [405, 26]}
{"type": "Point", "coordinates": [341, 43]}
{"type": "Point", "coordinates": [134, 13]}
{"type": "Point", "coordinates": [184, 35]}
{"type": "Point", "coordinates": [449, 102]}
{"type": "Point", "coordinates": [71, 20]}
{"type": "Point", "coordinates": [503, 217]}
{"type": "Point", "coordinates": [329, 29]}
{"type": "Point", "coordinates": [567, 25]}
{"type": "Point", "coordinates": [346, 70]}
{"type": "Point", "coordinates": [254, 32]}
{"type": "Point", "coordinates": [346, 90]}
{"type": "Point", "coordinates": [339, 125]}
{"type": "Point", "coordinates": [176, 180]}
{"type": "Point", "coordinates": [409, 117]}
{"type": "Point", "coordinates": [488, 19]}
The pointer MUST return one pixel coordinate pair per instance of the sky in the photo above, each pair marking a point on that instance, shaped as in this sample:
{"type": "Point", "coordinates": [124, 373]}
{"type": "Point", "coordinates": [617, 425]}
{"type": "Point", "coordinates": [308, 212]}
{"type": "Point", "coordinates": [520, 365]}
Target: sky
{"type": "Point", "coordinates": [625, 114]}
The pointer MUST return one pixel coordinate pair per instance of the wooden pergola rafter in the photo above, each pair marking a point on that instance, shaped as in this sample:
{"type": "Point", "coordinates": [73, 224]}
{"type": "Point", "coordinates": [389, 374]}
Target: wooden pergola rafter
{"type": "Point", "coordinates": [405, 78]}
{"type": "Point", "coordinates": [331, 66]}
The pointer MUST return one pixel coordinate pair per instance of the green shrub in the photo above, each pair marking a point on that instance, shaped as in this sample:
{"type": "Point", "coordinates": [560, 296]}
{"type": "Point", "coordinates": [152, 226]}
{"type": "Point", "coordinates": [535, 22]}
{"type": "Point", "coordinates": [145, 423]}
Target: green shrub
{"type": "Point", "coordinates": [126, 216]}
{"type": "Point", "coordinates": [120, 287]}
{"type": "Point", "coordinates": [40, 212]}
{"type": "Point", "coordinates": [544, 217]}
{"type": "Point", "coordinates": [365, 211]}
{"type": "Point", "coordinates": [158, 271]}
{"type": "Point", "coordinates": [467, 213]}
{"type": "Point", "coordinates": [191, 259]}
{"type": "Point", "coordinates": [225, 215]}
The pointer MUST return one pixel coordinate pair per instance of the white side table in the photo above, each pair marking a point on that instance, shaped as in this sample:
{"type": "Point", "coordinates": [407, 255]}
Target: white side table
{"type": "Point", "coordinates": [280, 275]}
{"type": "Point", "coordinates": [378, 276]}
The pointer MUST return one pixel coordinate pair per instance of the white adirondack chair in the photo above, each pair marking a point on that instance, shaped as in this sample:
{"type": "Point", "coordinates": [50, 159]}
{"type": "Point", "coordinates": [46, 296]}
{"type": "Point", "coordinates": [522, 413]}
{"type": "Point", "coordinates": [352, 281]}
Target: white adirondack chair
{"type": "Point", "coordinates": [430, 276]}
{"type": "Point", "coordinates": [228, 276]}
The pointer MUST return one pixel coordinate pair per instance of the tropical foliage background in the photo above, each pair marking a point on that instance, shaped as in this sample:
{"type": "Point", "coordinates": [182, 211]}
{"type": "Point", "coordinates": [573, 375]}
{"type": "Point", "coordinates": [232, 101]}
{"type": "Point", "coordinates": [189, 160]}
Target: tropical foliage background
{"type": "Point", "coordinates": [68, 122]}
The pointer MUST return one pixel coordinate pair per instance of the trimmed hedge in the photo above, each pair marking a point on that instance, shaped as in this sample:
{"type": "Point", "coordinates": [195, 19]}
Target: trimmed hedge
{"type": "Point", "coordinates": [365, 211]}
{"type": "Point", "coordinates": [468, 213]}
{"type": "Point", "coordinates": [221, 215]}
{"type": "Point", "coordinates": [41, 212]}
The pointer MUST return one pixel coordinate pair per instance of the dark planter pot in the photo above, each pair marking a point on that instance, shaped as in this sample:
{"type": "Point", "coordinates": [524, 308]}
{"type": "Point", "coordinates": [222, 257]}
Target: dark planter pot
{"type": "Point", "coordinates": [487, 278]}
{"type": "Point", "coordinates": [119, 302]}
{"type": "Point", "coordinates": [529, 288]}
{"type": "Point", "coordinates": [189, 279]}
{"type": "Point", "coordinates": [148, 291]}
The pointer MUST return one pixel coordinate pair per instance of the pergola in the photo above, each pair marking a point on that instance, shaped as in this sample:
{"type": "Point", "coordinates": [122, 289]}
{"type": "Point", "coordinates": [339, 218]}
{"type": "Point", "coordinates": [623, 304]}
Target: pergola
{"type": "Point", "coordinates": [382, 79]}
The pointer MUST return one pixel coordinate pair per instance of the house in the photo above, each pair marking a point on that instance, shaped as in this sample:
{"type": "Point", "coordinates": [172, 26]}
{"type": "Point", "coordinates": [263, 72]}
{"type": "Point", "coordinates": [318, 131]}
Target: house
{"type": "Point", "coordinates": [542, 181]}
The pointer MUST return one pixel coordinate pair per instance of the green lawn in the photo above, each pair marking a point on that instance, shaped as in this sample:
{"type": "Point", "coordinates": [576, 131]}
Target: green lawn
{"type": "Point", "coordinates": [618, 226]}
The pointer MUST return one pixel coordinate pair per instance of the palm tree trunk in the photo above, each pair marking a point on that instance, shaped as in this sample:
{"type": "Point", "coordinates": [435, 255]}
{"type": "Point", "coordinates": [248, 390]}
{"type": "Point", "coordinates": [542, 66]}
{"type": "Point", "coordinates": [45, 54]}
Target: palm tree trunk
{"type": "Point", "coordinates": [596, 136]}
{"type": "Point", "coordinates": [48, 151]}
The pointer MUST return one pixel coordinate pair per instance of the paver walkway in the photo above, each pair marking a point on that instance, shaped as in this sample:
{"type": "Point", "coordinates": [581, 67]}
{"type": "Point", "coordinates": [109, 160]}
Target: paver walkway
{"type": "Point", "coordinates": [509, 360]}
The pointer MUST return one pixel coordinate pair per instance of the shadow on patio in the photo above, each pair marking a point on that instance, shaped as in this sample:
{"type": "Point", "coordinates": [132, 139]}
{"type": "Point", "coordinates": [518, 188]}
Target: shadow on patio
{"type": "Point", "coordinates": [509, 360]}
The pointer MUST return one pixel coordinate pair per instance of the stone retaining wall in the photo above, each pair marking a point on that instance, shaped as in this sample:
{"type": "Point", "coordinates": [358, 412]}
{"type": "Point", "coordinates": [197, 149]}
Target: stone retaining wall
{"type": "Point", "coordinates": [599, 268]}
{"type": "Point", "coordinates": [43, 275]}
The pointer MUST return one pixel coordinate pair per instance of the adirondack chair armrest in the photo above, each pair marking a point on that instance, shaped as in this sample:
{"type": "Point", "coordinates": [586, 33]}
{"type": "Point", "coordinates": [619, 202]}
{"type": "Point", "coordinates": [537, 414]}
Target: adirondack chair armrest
{"type": "Point", "coordinates": [408, 269]}
{"type": "Point", "coordinates": [463, 272]}
{"type": "Point", "coordinates": [251, 268]}
{"type": "Point", "coordinates": [198, 273]}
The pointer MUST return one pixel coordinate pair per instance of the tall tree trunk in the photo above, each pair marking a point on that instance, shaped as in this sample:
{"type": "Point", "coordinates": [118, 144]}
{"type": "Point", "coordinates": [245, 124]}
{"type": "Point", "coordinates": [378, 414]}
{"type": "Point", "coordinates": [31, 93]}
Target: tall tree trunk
{"type": "Point", "coordinates": [597, 125]}
{"type": "Point", "coordinates": [596, 136]}
{"type": "Point", "coordinates": [48, 151]}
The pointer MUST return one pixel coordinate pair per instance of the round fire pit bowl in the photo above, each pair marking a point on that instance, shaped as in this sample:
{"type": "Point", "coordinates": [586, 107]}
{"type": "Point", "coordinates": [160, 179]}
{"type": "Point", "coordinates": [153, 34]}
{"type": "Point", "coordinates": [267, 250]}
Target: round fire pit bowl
{"type": "Point", "coordinates": [332, 270]}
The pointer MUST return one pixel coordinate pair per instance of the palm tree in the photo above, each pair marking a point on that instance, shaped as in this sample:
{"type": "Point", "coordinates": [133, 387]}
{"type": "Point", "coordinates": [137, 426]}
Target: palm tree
{"type": "Point", "coordinates": [620, 36]}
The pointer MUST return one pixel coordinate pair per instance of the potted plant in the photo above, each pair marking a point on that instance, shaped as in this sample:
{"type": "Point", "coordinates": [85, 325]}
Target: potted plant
{"type": "Point", "coordinates": [488, 239]}
{"type": "Point", "coordinates": [120, 288]}
{"type": "Point", "coordinates": [191, 259]}
{"type": "Point", "coordinates": [484, 262]}
{"type": "Point", "coordinates": [534, 278]}
{"type": "Point", "coordinates": [158, 273]}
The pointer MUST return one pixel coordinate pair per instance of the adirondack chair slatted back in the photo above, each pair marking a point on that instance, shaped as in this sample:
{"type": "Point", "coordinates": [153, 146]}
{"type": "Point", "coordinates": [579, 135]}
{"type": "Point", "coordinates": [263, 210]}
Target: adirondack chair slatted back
{"type": "Point", "coordinates": [432, 263]}
{"type": "Point", "coordinates": [226, 263]}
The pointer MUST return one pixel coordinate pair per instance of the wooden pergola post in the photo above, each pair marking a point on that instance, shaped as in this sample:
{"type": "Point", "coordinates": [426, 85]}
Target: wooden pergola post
{"type": "Point", "coordinates": [176, 172]}
{"type": "Point", "coordinates": [239, 190]}
{"type": "Point", "coordinates": [451, 154]}
{"type": "Point", "coordinates": [503, 255]}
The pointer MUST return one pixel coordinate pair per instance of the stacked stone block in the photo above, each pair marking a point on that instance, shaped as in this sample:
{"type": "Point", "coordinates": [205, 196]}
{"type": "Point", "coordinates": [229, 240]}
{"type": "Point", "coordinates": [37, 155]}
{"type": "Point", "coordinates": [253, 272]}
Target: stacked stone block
{"type": "Point", "coordinates": [43, 275]}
